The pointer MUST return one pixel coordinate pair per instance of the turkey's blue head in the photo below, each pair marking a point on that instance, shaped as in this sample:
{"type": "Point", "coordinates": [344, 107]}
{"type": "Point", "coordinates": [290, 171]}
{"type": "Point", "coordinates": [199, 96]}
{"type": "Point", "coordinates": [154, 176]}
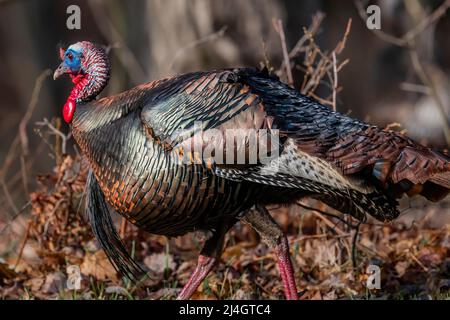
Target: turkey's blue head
{"type": "Point", "coordinates": [88, 66]}
{"type": "Point", "coordinates": [71, 61]}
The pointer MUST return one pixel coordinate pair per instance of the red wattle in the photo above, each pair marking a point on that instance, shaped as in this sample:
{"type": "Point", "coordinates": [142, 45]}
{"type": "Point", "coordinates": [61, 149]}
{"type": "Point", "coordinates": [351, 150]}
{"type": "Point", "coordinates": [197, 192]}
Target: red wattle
{"type": "Point", "coordinates": [80, 82]}
{"type": "Point", "coordinates": [69, 110]}
{"type": "Point", "coordinates": [70, 105]}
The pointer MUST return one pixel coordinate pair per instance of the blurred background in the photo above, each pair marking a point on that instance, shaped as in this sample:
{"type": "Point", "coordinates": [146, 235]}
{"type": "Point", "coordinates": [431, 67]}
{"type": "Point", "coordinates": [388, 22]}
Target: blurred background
{"type": "Point", "coordinates": [403, 82]}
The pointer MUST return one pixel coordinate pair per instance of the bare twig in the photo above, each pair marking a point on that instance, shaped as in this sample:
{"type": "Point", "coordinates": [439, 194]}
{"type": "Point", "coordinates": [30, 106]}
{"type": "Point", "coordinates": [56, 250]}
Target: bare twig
{"type": "Point", "coordinates": [110, 32]}
{"type": "Point", "coordinates": [318, 236]}
{"type": "Point", "coordinates": [16, 215]}
{"type": "Point", "coordinates": [335, 80]}
{"type": "Point", "coordinates": [354, 245]}
{"type": "Point", "coordinates": [413, 87]}
{"type": "Point", "coordinates": [413, 256]}
{"type": "Point", "coordinates": [58, 143]}
{"type": "Point", "coordinates": [428, 82]}
{"type": "Point", "coordinates": [327, 214]}
{"type": "Point", "coordinates": [31, 106]}
{"type": "Point", "coordinates": [209, 38]}
{"type": "Point", "coordinates": [427, 22]}
{"type": "Point", "coordinates": [56, 132]}
{"type": "Point", "coordinates": [404, 40]}
{"type": "Point", "coordinates": [360, 6]}
{"type": "Point", "coordinates": [319, 68]}
{"type": "Point", "coordinates": [312, 30]}
{"type": "Point", "coordinates": [24, 122]}
{"type": "Point", "coordinates": [10, 157]}
{"type": "Point", "coordinates": [21, 140]}
{"type": "Point", "coordinates": [8, 196]}
{"type": "Point", "coordinates": [24, 242]}
{"type": "Point", "coordinates": [328, 222]}
{"type": "Point", "coordinates": [341, 44]}
{"type": "Point", "coordinates": [408, 41]}
{"type": "Point", "coordinates": [278, 25]}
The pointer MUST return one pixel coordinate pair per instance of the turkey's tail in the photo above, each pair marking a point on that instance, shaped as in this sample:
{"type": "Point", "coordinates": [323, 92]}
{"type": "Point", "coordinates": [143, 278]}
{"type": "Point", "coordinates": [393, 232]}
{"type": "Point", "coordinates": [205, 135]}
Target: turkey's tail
{"type": "Point", "coordinates": [106, 234]}
{"type": "Point", "coordinates": [397, 163]}
{"type": "Point", "coordinates": [422, 171]}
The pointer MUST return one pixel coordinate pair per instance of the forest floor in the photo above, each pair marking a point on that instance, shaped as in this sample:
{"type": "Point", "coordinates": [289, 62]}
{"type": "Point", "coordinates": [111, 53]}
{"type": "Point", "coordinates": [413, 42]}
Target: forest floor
{"type": "Point", "coordinates": [413, 253]}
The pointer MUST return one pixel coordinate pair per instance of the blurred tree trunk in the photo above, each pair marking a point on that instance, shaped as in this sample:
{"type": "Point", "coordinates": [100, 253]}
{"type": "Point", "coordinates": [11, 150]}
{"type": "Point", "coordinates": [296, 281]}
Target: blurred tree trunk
{"type": "Point", "coordinates": [179, 34]}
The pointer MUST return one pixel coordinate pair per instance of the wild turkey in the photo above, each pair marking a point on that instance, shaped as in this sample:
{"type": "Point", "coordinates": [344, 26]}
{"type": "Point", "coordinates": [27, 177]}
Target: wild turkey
{"type": "Point", "coordinates": [134, 142]}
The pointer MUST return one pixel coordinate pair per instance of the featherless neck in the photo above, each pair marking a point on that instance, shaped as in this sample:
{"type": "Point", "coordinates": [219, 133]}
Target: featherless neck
{"type": "Point", "coordinates": [90, 81]}
{"type": "Point", "coordinates": [94, 77]}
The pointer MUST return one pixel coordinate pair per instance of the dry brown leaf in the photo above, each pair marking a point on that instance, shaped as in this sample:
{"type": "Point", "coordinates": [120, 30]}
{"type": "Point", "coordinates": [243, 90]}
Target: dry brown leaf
{"type": "Point", "coordinates": [401, 267]}
{"type": "Point", "coordinates": [116, 290]}
{"type": "Point", "coordinates": [159, 262]}
{"type": "Point", "coordinates": [55, 282]}
{"type": "Point", "coordinates": [97, 265]}
{"type": "Point", "coordinates": [232, 251]}
{"type": "Point", "coordinates": [6, 272]}
{"type": "Point", "coordinates": [35, 284]}
{"type": "Point", "coordinates": [432, 256]}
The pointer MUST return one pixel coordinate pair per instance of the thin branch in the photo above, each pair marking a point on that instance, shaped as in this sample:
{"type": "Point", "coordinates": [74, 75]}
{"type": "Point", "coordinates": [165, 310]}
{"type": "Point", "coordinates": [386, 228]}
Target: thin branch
{"type": "Point", "coordinates": [408, 41]}
{"type": "Point", "coordinates": [378, 32]}
{"type": "Point", "coordinates": [319, 68]}
{"type": "Point", "coordinates": [354, 245]}
{"type": "Point", "coordinates": [427, 22]}
{"type": "Point", "coordinates": [335, 80]}
{"type": "Point", "coordinates": [16, 215]}
{"type": "Point", "coordinates": [278, 25]}
{"type": "Point", "coordinates": [327, 214]}
{"type": "Point", "coordinates": [24, 242]}
{"type": "Point", "coordinates": [8, 196]}
{"type": "Point", "coordinates": [404, 40]}
{"type": "Point", "coordinates": [10, 156]}
{"type": "Point", "coordinates": [341, 44]}
{"type": "Point", "coordinates": [312, 30]}
{"type": "Point", "coordinates": [417, 88]}
{"type": "Point", "coordinates": [20, 145]}
{"type": "Point", "coordinates": [113, 36]}
{"type": "Point", "coordinates": [24, 123]}
{"type": "Point", "coordinates": [31, 106]}
{"type": "Point", "coordinates": [428, 82]}
{"type": "Point", "coordinates": [55, 131]}
{"type": "Point", "coordinates": [209, 38]}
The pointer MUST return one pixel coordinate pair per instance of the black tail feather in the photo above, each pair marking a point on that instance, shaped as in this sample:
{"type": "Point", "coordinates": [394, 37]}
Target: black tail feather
{"type": "Point", "coordinates": [106, 234]}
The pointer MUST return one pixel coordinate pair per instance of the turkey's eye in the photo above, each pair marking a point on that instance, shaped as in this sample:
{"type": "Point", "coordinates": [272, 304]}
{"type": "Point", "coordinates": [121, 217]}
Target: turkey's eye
{"type": "Point", "coordinates": [70, 56]}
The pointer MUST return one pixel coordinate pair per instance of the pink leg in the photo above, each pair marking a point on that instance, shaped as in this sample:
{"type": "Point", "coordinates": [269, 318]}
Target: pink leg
{"type": "Point", "coordinates": [204, 266]}
{"type": "Point", "coordinates": [207, 259]}
{"type": "Point", "coordinates": [286, 270]}
{"type": "Point", "coordinates": [270, 232]}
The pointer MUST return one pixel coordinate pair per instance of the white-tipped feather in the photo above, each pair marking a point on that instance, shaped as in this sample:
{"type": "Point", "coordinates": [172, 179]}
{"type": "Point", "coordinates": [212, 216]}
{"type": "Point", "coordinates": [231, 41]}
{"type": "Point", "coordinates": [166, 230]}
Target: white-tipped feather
{"type": "Point", "coordinates": [295, 162]}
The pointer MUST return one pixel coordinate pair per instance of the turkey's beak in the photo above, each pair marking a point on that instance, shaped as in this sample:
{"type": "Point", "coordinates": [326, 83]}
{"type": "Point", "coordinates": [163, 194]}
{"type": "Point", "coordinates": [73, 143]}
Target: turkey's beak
{"type": "Point", "coordinates": [59, 71]}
